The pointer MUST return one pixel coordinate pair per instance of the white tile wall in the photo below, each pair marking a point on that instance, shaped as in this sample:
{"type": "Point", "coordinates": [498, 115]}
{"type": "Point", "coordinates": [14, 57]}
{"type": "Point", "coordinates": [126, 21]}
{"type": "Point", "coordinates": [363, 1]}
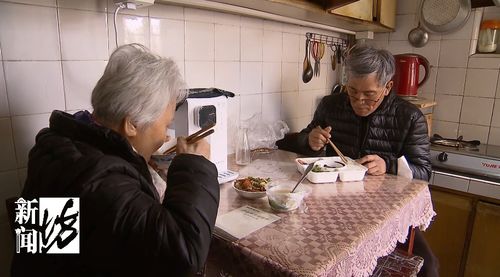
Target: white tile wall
{"type": "Point", "coordinates": [251, 77]}
{"type": "Point", "coordinates": [199, 41]}
{"type": "Point", "coordinates": [227, 43]}
{"type": "Point", "coordinates": [250, 105]}
{"type": "Point", "coordinates": [80, 77]}
{"type": "Point", "coordinates": [481, 82]}
{"type": "Point", "coordinates": [34, 87]}
{"type": "Point", "coordinates": [89, 5]}
{"type": "Point", "coordinates": [84, 35]}
{"type": "Point", "coordinates": [200, 74]}
{"type": "Point", "coordinates": [495, 119]}
{"type": "Point", "coordinates": [454, 53]}
{"type": "Point", "coordinates": [445, 128]}
{"type": "Point", "coordinates": [271, 77]}
{"type": "Point", "coordinates": [252, 44]}
{"type": "Point", "coordinates": [476, 110]}
{"type": "Point", "coordinates": [449, 109]}
{"type": "Point", "coordinates": [494, 137]}
{"type": "Point", "coordinates": [450, 81]}
{"type": "Point", "coordinates": [289, 80]}
{"type": "Point", "coordinates": [271, 106]}
{"type": "Point", "coordinates": [167, 38]}
{"type": "Point", "coordinates": [227, 76]}
{"type": "Point", "coordinates": [35, 35]}
{"type": "Point", "coordinates": [273, 46]}
{"type": "Point", "coordinates": [131, 28]}
{"type": "Point", "coordinates": [9, 188]}
{"type": "Point", "coordinates": [4, 104]}
{"type": "Point", "coordinates": [25, 129]}
{"type": "Point", "coordinates": [474, 131]}
{"type": "Point", "coordinates": [8, 157]}
{"type": "Point", "coordinates": [291, 44]}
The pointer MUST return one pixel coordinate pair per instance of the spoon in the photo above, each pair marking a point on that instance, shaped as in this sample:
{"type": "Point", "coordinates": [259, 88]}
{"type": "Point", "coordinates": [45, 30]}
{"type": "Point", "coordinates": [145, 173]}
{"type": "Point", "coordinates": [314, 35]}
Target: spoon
{"type": "Point", "coordinates": [308, 71]}
{"type": "Point", "coordinates": [308, 168]}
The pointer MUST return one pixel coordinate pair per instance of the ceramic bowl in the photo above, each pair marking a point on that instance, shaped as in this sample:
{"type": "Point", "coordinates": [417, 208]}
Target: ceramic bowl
{"type": "Point", "coordinates": [249, 194]}
{"type": "Point", "coordinates": [282, 200]}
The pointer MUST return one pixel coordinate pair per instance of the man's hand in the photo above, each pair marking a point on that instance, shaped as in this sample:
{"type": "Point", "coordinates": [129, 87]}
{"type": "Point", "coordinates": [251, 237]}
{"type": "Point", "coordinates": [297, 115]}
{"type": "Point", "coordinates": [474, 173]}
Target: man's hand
{"type": "Point", "coordinates": [319, 137]}
{"type": "Point", "coordinates": [200, 147]}
{"type": "Point", "coordinates": [374, 163]}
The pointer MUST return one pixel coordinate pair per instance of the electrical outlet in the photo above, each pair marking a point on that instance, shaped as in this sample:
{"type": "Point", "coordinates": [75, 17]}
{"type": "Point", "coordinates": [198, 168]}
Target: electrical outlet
{"type": "Point", "coordinates": [137, 3]}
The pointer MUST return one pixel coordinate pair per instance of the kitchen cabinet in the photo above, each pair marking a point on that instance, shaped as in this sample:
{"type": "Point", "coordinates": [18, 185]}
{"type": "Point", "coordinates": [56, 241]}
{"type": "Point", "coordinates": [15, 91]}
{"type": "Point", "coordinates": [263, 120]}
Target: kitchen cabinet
{"type": "Point", "coordinates": [380, 12]}
{"type": "Point", "coordinates": [482, 259]}
{"type": "Point", "coordinates": [448, 232]}
{"type": "Point", "coordinates": [464, 233]}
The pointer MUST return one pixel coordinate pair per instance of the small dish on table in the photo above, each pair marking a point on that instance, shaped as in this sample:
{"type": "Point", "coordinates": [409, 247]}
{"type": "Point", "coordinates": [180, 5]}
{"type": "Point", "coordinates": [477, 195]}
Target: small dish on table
{"type": "Point", "coordinates": [251, 187]}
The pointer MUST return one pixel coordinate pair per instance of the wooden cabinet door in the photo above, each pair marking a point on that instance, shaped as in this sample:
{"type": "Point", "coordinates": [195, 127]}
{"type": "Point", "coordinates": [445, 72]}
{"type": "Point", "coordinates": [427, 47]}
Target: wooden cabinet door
{"type": "Point", "coordinates": [386, 13]}
{"type": "Point", "coordinates": [362, 9]}
{"type": "Point", "coordinates": [447, 233]}
{"type": "Point", "coordinates": [484, 250]}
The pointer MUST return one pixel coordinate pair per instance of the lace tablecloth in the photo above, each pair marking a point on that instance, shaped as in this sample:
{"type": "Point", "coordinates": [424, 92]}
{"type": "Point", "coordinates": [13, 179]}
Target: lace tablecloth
{"type": "Point", "coordinates": [343, 229]}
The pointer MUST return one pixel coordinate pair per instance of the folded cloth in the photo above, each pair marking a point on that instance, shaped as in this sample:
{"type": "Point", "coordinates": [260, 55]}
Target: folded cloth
{"type": "Point", "coordinates": [403, 168]}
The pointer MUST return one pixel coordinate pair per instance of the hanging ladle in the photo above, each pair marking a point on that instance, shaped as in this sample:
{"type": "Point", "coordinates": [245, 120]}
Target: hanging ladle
{"type": "Point", "coordinates": [307, 74]}
{"type": "Point", "coordinates": [418, 37]}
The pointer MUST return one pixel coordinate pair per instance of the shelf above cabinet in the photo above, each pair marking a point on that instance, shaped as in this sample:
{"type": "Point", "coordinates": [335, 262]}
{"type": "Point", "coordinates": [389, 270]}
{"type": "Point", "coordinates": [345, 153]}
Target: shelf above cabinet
{"type": "Point", "coordinates": [309, 12]}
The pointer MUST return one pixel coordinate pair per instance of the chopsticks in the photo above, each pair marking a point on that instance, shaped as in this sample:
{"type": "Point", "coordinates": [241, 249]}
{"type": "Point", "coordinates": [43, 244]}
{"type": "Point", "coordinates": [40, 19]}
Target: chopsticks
{"type": "Point", "coordinates": [342, 157]}
{"type": "Point", "coordinates": [194, 137]}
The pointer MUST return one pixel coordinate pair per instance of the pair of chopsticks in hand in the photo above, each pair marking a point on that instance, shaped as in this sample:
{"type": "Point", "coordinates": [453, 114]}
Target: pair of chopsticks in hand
{"type": "Point", "coordinates": [342, 157]}
{"type": "Point", "coordinates": [204, 132]}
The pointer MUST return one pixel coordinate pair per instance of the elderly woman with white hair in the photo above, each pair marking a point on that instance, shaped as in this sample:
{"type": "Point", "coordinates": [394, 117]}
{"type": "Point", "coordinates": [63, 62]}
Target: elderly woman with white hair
{"type": "Point", "coordinates": [126, 227]}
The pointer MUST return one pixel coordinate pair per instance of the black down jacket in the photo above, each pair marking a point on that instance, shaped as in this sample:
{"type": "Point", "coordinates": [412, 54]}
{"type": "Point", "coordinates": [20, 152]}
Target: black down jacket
{"type": "Point", "coordinates": [397, 128]}
{"type": "Point", "coordinates": [124, 230]}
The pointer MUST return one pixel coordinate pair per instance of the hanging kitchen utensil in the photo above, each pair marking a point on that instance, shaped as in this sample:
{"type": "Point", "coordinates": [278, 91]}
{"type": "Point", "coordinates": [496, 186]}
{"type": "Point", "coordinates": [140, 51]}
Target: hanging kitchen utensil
{"type": "Point", "coordinates": [444, 16]}
{"type": "Point", "coordinates": [315, 54]}
{"type": "Point", "coordinates": [321, 53]}
{"type": "Point", "coordinates": [418, 37]}
{"type": "Point", "coordinates": [307, 73]}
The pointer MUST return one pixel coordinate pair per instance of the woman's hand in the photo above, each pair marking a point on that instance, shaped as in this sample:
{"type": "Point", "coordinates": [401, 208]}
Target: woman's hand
{"type": "Point", "coordinates": [374, 163]}
{"type": "Point", "coordinates": [201, 147]}
{"type": "Point", "coordinates": [319, 137]}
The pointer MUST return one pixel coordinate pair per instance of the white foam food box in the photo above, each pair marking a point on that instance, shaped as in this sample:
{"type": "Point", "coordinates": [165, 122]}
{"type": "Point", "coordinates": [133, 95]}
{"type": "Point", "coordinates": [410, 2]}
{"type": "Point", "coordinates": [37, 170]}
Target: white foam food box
{"type": "Point", "coordinates": [334, 168]}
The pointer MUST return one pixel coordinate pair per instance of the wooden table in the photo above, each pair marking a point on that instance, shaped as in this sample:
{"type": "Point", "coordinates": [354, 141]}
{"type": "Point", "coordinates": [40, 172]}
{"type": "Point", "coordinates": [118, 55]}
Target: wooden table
{"type": "Point", "coordinates": [342, 231]}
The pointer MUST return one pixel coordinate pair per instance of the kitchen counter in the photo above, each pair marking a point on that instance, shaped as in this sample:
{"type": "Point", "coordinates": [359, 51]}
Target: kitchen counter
{"type": "Point", "coordinates": [342, 230]}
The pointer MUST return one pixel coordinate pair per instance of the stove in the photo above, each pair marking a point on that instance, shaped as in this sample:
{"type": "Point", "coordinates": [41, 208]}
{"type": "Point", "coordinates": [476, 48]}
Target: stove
{"type": "Point", "coordinates": [469, 157]}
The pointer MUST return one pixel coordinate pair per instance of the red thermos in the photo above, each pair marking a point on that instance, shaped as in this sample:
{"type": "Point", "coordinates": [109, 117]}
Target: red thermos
{"type": "Point", "coordinates": [406, 77]}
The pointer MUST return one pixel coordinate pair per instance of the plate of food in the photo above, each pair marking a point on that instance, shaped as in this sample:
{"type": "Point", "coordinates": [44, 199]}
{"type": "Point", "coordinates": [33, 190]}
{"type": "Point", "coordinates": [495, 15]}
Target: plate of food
{"type": "Point", "coordinates": [251, 187]}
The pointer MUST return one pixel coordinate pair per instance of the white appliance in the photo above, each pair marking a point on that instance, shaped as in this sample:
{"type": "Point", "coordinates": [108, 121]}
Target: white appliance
{"type": "Point", "coordinates": [196, 113]}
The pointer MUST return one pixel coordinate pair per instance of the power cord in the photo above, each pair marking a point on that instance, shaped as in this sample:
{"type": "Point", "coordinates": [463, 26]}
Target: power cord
{"type": "Point", "coordinates": [119, 6]}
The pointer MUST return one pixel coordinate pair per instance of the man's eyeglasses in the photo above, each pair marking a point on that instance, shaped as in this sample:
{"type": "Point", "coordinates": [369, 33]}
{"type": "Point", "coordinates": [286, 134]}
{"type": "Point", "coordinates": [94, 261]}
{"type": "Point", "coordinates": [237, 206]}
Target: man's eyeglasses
{"type": "Point", "coordinates": [368, 99]}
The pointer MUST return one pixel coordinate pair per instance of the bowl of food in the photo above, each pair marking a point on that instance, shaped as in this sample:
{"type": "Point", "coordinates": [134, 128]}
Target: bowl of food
{"type": "Point", "coordinates": [281, 198]}
{"type": "Point", "coordinates": [251, 187]}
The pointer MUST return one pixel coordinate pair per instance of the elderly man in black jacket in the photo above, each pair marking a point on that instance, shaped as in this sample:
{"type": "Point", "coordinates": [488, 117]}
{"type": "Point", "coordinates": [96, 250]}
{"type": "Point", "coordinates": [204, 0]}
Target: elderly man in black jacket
{"type": "Point", "coordinates": [131, 223]}
{"type": "Point", "coordinates": [373, 125]}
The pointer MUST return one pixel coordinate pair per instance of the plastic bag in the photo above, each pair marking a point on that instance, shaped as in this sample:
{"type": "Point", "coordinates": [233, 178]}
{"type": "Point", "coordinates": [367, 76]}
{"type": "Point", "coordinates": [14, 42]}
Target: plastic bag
{"type": "Point", "coordinates": [262, 133]}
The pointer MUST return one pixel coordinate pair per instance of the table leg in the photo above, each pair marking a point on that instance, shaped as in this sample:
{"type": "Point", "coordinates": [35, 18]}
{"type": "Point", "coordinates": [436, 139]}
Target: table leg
{"type": "Point", "coordinates": [412, 239]}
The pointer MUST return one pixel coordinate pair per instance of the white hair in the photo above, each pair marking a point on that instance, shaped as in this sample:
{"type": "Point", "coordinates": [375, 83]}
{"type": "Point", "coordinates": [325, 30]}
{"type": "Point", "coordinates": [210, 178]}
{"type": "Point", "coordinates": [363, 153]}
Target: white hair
{"type": "Point", "coordinates": [137, 84]}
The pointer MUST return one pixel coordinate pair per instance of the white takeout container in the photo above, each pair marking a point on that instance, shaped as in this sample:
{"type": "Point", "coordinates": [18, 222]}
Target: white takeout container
{"type": "Point", "coordinates": [353, 171]}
